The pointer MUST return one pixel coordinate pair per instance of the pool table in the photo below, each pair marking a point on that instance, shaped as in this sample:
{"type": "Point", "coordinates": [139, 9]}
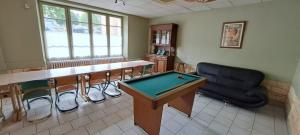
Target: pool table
{"type": "Point", "coordinates": [152, 92]}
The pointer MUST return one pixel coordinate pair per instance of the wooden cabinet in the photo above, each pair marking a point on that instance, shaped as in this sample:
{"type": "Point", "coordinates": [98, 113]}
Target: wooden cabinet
{"type": "Point", "coordinates": [160, 62]}
{"type": "Point", "coordinates": [163, 46]}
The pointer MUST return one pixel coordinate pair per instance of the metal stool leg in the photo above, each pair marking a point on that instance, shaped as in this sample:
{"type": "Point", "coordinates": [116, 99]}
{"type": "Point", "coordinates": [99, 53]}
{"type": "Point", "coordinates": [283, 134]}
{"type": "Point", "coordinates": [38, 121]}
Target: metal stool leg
{"type": "Point", "coordinates": [43, 118]}
{"type": "Point", "coordinates": [117, 91]}
{"type": "Point", "coordinates": [97, 100]}
{"type": "Point", "coordinates": [67, 110]}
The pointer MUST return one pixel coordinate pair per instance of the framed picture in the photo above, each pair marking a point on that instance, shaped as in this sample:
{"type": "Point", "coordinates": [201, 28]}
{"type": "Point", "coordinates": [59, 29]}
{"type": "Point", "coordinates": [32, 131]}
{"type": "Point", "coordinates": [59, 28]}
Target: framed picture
{"type": "Point", "coordinates": [232, 34]}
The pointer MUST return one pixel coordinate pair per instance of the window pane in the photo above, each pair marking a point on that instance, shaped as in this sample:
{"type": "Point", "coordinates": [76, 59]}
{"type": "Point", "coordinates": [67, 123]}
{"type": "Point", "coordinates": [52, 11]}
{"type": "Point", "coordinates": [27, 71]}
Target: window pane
{"type": "Point", "coordinates": [58, 52]}
{"type": "Point", "coordinates": [54, 12]}
{"type": "Point", "coordinates": [114, 21]}
{"type": "Point", "coordinates": [115, 51]}
{"type": "Point", "coordinates": [115, 36]}
{"type": "Point", "coordinates": [80, 51]}
{"type": "Point", "coordinates": [100, 51]}
{"type": "Point", "coordinates": [56, 37]}
{"type": "Point", "coordinates": [99, 35]}
{"type": "Point", "coordinates": [99, 19]}
{"type": "Point", "coordinates": [79, 16]}
{"type": "Point", "coordinates": [55, 33]}
{"type": "Point", "coordinates": [80, 34]}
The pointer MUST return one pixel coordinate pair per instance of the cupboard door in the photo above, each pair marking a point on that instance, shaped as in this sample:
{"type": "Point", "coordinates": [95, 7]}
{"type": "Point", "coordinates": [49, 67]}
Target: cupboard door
{"type": "Point", "coordinates": [162, 65]}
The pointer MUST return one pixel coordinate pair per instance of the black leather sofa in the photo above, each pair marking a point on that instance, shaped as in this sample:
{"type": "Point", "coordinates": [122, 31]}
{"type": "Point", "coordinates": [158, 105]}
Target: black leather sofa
{"type": "Point", "coordinates": [234, 85]}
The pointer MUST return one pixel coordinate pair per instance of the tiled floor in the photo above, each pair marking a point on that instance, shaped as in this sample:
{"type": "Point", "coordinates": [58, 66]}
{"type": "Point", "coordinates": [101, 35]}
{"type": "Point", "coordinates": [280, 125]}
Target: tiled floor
{"type": "Point", "coordinates": [115, 117]}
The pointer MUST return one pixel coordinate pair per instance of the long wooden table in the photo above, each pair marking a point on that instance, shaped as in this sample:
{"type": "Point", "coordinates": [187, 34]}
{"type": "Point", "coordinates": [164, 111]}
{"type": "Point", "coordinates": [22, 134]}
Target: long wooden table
{"type": "Point", "coordinates": [12, 79]}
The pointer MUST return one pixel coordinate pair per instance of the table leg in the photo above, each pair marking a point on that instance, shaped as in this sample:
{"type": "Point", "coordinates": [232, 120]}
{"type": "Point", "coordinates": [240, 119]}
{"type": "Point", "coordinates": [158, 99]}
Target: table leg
{"type": "Point", "coordinates": [18, 95]}
{"type": "Point", "coordinates": [146, 117]}
{"type": "Point", "coordinates": [14, 104]}
{"type": "Point", "coordinates": [184, 103]}
{"type": "Point", "coordinates": [83, 88]}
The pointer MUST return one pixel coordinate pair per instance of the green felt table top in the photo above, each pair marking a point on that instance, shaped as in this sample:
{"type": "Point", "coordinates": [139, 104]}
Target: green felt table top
{"type": "Point", "coordinates": [157, 85]}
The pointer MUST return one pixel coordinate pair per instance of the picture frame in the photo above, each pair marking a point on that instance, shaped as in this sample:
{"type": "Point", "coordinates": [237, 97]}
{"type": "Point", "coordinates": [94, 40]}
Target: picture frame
{"type": "Point", "coordinates": [233, 34]}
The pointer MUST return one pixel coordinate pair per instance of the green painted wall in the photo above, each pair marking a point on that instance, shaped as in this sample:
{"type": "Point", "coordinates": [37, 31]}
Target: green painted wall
{"type": "Point", "coordinates": [137, 37]}
{"type": "Point", "coordinates": [271, 41]}
{"type": "Point", "coordinates": [296, 80]}
{"type": "Point", "coordinates": [2, 62]}
{"type": "Point", "coordinates": [19, 35]}
{"type": "Point", "coordinates": [21, 41]}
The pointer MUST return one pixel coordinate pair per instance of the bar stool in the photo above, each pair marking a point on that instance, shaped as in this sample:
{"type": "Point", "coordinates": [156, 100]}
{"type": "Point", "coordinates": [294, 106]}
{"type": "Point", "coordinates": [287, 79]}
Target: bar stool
{"type": "Point", "coordinates": [98, 81]}
{"type": "Point", "coordinates": [36, 90]}
{"type": "Point", "coordinates": [113, 77]}
{"type": "Point", "coordinates": [66, 85]}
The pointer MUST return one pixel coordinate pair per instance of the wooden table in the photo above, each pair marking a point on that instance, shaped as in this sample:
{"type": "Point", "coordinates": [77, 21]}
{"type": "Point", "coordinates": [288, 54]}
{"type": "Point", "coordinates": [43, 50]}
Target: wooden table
{"type": "Point", "coordinates": [152, 92]}
{"type": "Point", "coordinates": [12, 79]}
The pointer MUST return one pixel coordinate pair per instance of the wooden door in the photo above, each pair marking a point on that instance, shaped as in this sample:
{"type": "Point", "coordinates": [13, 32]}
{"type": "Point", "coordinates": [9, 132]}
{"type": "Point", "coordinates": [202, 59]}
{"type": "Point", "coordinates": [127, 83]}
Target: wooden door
{"type": "Point", "coordinates": [161, 65]}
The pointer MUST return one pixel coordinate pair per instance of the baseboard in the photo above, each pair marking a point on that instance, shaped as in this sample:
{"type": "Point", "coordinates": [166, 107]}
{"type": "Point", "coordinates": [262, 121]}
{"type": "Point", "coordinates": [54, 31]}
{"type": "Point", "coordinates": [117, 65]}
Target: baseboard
{"type": "Point", "coordinates": [293, 112]}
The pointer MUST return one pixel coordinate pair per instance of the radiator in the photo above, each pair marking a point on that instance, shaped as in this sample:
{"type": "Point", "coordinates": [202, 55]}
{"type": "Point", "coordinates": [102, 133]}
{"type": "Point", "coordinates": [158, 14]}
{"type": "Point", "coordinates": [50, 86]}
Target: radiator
{"type": "Point", "coordinates": [82, 62]}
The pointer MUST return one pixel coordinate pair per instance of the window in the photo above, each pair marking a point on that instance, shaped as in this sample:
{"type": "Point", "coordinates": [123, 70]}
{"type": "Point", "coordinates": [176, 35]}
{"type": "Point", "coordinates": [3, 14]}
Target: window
{"type": "Point", "coordinates": [80, 34]}
{"type": "Point", "coordinates": [115, 36]}
{"type": "Point", "coordinates": [56, 37]}
{"type": "Point", "coordinates": [99, 35]}
{"type": "Point", "coordinates": [71, 33]}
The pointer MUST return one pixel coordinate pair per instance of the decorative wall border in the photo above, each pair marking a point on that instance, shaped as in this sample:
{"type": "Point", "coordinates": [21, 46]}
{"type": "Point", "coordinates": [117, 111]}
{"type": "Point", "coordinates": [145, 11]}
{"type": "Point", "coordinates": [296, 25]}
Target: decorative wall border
{"type": "Point", "coordinates": [293, 112]}
{"type": "Point", "coordinates": [277, 91]}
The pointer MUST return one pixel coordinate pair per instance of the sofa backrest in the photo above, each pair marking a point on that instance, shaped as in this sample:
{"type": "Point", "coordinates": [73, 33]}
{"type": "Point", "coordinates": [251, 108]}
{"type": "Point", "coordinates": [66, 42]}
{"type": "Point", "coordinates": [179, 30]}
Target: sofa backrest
{"type": "Point", "coordinates": [234, 77]}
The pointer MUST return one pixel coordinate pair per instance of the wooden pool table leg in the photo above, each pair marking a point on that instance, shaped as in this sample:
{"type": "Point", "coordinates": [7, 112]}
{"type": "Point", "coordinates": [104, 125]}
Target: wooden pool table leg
{"type": "Point", "coordinates": [146, 117]}
{"type": "Point", "coordinates": [184, 103]}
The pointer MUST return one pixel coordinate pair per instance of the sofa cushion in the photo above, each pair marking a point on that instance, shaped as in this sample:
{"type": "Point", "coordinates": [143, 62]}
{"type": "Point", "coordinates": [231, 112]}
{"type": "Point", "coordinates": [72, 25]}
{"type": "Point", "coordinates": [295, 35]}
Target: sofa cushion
{"type": "Point", "coordinates": [228, 92]}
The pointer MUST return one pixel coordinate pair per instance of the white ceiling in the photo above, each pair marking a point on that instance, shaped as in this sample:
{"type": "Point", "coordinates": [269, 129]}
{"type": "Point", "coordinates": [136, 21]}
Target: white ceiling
{"type": "Point", "coordinates": [152, 9]}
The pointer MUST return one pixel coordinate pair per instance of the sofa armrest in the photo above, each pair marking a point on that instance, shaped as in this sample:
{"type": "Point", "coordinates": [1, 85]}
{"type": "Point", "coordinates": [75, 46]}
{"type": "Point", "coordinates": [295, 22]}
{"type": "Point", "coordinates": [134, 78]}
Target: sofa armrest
{"type": "Point", "coordinates": [258, 92]}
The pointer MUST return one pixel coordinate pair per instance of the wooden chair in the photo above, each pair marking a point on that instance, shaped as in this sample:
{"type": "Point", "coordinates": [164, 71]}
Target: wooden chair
{"type": "Point", "coordinates": [36, 90]}
{"type": "Point", "coordinates": [114, 76]}
{"type": "Point", "coordinates": [98, 81]}
{"type": "Point", "coordinates": [66, 85]}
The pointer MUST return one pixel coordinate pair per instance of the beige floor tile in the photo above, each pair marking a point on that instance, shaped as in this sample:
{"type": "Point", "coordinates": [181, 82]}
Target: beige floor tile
{"type": "Point", "coordinates": [29, 130]}
{"type": "Point", "coordinates": [67, 117]}
{"type": "Point", "coordinates": [124, 113]}
{"type": "Point", "coordinates": [47, 124]}
{"type": "Point", "coordinates": [96, 126]}
{"type": "Point", "coordinates": [82, 121]}
{"type": "Point", "coordinates": [97, 115]}
{"type": "Point", "coordinates": [111, 119]}
{"type": "Point", "coordinates": [126, 124]}
{"type": "Point", "coordinates": [45, 132]}
{"type": "Point", "coordinates": [61, 129]}
{"type": "Point", "coordinates": [112, 130]}
{"type": "Point", "coordinates": [172, 126]}
{"type": "Point", "coordinates": [80, 131]}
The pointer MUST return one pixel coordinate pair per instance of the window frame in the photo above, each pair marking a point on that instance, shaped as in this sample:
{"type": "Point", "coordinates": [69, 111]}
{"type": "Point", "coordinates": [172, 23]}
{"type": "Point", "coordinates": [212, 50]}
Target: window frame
{"type": "Point", "coordinates": [89, 12]}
